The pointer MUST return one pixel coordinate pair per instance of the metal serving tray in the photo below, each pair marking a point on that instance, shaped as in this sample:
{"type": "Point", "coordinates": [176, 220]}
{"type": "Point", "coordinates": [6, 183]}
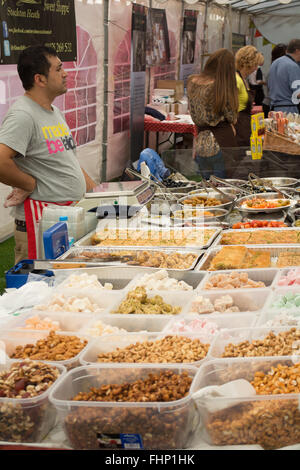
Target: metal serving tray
{"type": "Point", "coordinates": [218, 240]}
{"type": "Point", "coordinates": [72, 256]}
{"type": "Point", "coordinates": [204, 263]}
{"type": "Point", "coordinates": [240, 201]}
{"type": "Point", "coordinates": [87, 240]}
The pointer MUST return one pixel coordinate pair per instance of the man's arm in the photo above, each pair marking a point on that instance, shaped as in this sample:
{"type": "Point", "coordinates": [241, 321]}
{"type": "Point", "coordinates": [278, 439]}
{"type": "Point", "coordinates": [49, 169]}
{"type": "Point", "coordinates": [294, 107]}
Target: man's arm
{"type": "Point", "coordinates": [90, 184]}
{"type": "Point", "coordinates": [10, 174]}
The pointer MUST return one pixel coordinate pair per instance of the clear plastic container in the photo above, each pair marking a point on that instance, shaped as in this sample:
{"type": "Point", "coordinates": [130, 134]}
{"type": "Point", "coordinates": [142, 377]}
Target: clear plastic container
{"type": "Point", "coordinates": [282, 273]}
{"type": "Point", "coordinates": [102, 299]}
{"type": "Point", "coordinates": [278, 294]}
{"type": "Point", "coordinates": [76, 219]}
{"type": "Point", "coordinates": [114, 342]}
{"type": "Point", "coordinates": [27, 419]}
{"type": "Point", "coordinates": [245, 299]}
{"type": "Point", "coordinates": [271, 421]}
{"type": "Point", "coordinates": [267, 276]}
{"type": "Point", "coordinates": [176, 299]}
{"type": "Point", "coordinates": [11, 338]}
{"type": "Point", "coordinates": [238, 335]}
{"type": "Point", "coordinates": [160, 425]}
{"type": "Point", "coordinates": [130, 323]}
{"type": "Point", "coordinates": [67, 321]}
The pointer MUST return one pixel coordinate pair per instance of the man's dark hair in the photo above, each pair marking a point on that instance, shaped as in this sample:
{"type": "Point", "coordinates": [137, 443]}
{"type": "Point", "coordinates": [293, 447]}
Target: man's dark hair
{"type": "Point", "coordinates": [278, 51]}
{"type": "Point", "coordinates": [32, 60]}
{"type": "Point", "coordinates": [293, 45]}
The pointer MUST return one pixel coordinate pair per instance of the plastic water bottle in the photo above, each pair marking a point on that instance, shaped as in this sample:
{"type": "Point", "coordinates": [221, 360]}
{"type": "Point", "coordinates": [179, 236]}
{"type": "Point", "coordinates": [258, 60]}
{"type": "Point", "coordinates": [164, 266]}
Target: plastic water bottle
{"type": "Point", "coordinates": [65, 219]}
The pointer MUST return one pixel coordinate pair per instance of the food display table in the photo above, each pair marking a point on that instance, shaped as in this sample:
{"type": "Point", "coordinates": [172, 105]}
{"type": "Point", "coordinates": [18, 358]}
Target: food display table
{"type": "Point", "coordinates": [173, 127]}
{"type": "Point", "coordinates": [212, 323]}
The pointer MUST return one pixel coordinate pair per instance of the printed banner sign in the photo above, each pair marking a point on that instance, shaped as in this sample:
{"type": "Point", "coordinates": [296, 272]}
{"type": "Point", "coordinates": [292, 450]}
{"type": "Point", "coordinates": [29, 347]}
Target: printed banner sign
{"type": "Point", "coordinates": [158, 46]}
{"type": "Point", "coordinates": [238, 41]}
{"type": "Point", "coordinates": [28, 22]}
{"type": "Point", "coordinates": [188, 44]}
{"type": "Point", "coordinates": [137, 79]}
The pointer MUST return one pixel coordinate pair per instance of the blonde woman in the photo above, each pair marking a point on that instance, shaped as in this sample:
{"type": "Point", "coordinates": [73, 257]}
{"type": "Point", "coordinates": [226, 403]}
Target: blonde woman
{"type": "Point", "coordinates": [247, 60]}
{"type": "Point", "coordinates": [213, 104]}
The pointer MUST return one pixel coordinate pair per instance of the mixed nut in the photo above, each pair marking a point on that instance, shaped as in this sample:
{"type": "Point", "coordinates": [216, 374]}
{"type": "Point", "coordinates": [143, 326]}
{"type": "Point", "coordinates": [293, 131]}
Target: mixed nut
{"type": "Point", "coordinates": [175, 349]}
{"type": "Point", "coordinates": [21, 421]}
{"type": "Point", "coordinates": [163, 428]}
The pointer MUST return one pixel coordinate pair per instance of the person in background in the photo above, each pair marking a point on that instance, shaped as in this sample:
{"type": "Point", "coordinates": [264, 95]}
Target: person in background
{"type": "Point", "coordinates": [278, 51]}
{"type": "Point", "coordinates": [247, 60]}
{"type": "Point", "coordinates": [257, 82]}
{"type": "Point", "coordinates": [284, 80]}
{"type": "Point", "coordinates": [37, 150]}
{"type": "Point", "coordinates": [213, 105]}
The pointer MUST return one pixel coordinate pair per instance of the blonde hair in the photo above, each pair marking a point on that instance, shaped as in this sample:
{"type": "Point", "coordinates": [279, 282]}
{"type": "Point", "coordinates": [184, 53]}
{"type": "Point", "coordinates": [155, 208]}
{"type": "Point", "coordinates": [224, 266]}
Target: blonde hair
{"type": "Point", "coordinates": [246, 58]}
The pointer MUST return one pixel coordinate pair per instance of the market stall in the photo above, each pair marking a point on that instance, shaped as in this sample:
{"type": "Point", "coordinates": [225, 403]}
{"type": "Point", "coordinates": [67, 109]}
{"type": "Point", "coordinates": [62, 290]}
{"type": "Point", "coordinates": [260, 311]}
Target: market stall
{"type": "Point", "coordinates": [176, 318]}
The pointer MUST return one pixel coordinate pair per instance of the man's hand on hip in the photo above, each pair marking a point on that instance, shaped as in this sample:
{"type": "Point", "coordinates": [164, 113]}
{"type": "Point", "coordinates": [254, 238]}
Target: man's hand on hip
{"type": "Point", "coordinates": [17, 196]}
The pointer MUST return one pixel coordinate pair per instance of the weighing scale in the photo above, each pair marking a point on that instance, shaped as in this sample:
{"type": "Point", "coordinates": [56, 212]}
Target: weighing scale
{"type": "Point", "coordinates": [122, 199]}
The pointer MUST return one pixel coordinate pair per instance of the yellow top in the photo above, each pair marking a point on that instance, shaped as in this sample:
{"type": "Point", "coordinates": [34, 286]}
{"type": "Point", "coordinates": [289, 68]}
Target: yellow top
{"type": "Point", "coordinates": [242, 92]}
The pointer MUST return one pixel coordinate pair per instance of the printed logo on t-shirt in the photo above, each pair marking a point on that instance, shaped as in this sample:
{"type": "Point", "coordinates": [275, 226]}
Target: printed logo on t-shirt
{"type": "Point", "coordinates": [58, 138]}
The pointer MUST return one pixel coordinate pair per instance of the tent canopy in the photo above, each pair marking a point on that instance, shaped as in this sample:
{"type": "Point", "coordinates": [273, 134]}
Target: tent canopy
{"type": "Point", "coordinates": [267, 7]}
{"type": "Point", "coordinates": [277, 21]}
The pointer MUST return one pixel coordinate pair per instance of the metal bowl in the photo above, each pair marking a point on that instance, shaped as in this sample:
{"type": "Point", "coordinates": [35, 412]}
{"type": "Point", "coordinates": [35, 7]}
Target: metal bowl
{"type": "Point", "coordinates": [217, 215]}
{"type": "Point", "coordinates": [278, 182]}
{"type": "Point", "coordinates": [236, 182]}
{"type": "Point", "coordinates": [225, 202]}
{"type": "Point", "coordinates": [268, 196]}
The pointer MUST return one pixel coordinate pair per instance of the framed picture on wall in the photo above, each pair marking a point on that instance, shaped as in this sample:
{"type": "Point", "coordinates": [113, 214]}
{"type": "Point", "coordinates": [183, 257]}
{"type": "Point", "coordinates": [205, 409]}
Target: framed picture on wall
{"type": "Point", "coordinates": [238, 41]}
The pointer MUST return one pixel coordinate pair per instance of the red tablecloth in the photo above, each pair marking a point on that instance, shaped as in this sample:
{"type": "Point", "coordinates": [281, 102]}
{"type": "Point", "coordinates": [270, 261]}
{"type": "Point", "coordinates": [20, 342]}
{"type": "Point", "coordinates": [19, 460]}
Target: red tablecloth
{"type": "Point", "coordinates": [170, 126]}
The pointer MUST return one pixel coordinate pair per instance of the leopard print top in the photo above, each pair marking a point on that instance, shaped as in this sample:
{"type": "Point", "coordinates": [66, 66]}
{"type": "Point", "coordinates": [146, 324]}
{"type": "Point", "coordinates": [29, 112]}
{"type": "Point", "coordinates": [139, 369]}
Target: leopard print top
{"type": "Point", "coordinates": [201, 97]}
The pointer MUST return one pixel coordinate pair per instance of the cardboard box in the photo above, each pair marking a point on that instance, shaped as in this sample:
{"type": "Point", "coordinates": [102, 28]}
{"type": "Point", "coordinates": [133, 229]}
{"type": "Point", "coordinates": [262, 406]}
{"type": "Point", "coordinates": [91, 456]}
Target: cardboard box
{"type": "Point", "coordinates": [257, 124]}
{"type": "Point", "coordinates": [176, 85]}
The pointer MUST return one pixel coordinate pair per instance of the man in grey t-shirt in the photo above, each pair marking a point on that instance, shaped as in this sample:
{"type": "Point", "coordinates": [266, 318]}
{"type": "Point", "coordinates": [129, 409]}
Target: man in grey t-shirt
{"type": "Point", "coordinates": [37, 150]}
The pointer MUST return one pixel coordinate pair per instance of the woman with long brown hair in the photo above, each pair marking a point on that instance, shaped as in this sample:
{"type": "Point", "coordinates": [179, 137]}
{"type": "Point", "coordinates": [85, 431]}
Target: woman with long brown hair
{"type": "Point", "coordinates": [213, 104]}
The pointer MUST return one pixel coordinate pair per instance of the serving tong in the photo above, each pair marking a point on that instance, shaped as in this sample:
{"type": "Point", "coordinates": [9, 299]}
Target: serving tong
{"type": "Point", "coordinates": [215, 179]}
{"type": "Point", "coordinates": [267, 184]}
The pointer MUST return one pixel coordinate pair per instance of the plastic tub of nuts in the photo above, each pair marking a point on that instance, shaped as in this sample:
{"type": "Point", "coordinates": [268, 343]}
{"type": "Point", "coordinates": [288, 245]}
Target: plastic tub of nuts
{"type": "Point", "coordinates": [26, 415]}
{"type": "Point", "coordinates": [255, 401]}
{"type": "Point", "coordinates": [256, 341]}
{"type": "Point", "coordinates": [147, 348]}
{"type": "Point", "coordinates": [148, 403]}
{"type": "Point", "coordinates": [61, 347]}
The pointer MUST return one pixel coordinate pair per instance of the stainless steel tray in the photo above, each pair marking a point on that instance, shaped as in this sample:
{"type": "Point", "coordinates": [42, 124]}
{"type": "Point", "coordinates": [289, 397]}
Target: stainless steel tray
{"type": "Point", "coordinates": [120, 276]}
{"type": "Point", "coordinates": [87, 240]}
{"type": "Point", "coordinates": [73, 255]}
{"type": "Point", "coordinates": [218, 240]}
{"type": "Point", "coordinates": [240, 201]}
{"type": "Point", "coordinates": [205, 261]}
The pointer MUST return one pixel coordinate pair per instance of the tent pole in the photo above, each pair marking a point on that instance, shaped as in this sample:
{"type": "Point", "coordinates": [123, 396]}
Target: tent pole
{"type": "Point", "coordinates": [105, 92]}
{"type": "Point", "coordinates": [180, 40]}
{"type": "Point", "coordinates": [204, 49]}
